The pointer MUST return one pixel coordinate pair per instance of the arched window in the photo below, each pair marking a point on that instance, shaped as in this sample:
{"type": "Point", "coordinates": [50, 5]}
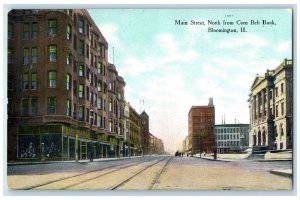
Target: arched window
{"type": "Point", "coordinates": [264, 138]}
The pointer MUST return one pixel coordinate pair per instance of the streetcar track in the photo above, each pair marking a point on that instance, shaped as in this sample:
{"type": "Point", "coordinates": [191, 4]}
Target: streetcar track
{"type": "Point", "coordinates": [137, 173]}
{"type": "Point", "coordinates": [77, 175]}
{"type": "Point", "coordinates": [156, 178]}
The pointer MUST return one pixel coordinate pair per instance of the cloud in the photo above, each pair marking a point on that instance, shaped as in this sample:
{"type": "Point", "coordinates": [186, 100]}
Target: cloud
{"type": "Point", "coordinates": [285, 46]}
{"type": "Point", "coordinates": [110, 31]}
{"type": "Point", "coordinates": [246, 40]}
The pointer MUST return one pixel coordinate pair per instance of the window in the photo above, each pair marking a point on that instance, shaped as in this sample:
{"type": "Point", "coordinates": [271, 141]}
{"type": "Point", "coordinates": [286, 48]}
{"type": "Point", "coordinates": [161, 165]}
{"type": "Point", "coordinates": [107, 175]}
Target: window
{"type": "Point", "coordinates": [271, 94]}
{"type": "Point", "coordinates": [69, 32]}
{"type": "Point", "coordinates": [81, 47]}
{"type": "Point", "coordinates": [99, 86]}
{"type": "Point", "coordinates": [276, 112]}
{"type": "Point", "coordinates": [25, 107]}
{"type": "Point", "coordinates": [81, 70]}
{"type": "Point", "coordinates": [10, 31]}
{"type": "Point", "coordinates": [52, 53]}
{"type": "Point", "coordinates": [87, 119]}
{"type": "Point", "coordinates": [34, 30]}
{"type": "Point", "coordinates": [276, 91]}
{"type": "Point", "coordinates": [110, 105]}
{"type": "Point", "coordinates": [69, 58]}
{"type": "Point", "coordinates": [81, 91]}
{"type": "Point", "coordinates": [34, 106]}
{"type": "Point", "coordinates": [110, 125]}
{"type": "Point", "coordinates": [26, 57]}
{"type": "Point", "coordinates": [52, 79]}
{"type": "Point", "coordinates": [81, 26]}
{"type": "Point", "coordinates": [87, 93]}
{"type": "Point", "coordinates": [34, 55]}
{"type": "Point", "coordinates": [25, 83]}
{"type": "Point", "coordinates": [9, 56]}
{"type": "Point", "coordinates": [26, 31]}
{"type": "Point", "coordinates": [52, 27]}
{"type": "Point", "coordinates": [282, 89]}
{"type": "Point", "coordinates": [51, 105]}
{"type": "Point", "coordinates": [282, 108]}
{"type": "Point", "coordinates": [34, 81]}
{"type": "Point", "coordinates": [69, 81]}
{"type": "Point", "coordinates": [68, 107]}
{"type": "Point", "coordinates": [81, 113]}
{"type": "Point", "coordinates": [99, 106]}
{"type": "Point", "coordinates": [99, 121]}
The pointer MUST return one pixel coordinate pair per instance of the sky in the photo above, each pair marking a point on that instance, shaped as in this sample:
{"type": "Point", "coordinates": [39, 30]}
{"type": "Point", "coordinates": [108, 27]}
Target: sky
{"type": "Point", "coordinates": [172, 67]}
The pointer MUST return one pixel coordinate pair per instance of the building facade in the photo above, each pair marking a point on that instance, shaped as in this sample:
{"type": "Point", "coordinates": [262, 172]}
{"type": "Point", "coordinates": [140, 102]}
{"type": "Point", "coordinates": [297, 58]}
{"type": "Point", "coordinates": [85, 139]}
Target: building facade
{"type": "Point", "coordinates": [65, 100]}
{"type": "Point", "coordinates": [232, 137]}
{"type": "Point", "coordinates": [271, 106]}
{"type": "Point", "coordinates": [145, 134]}
{"type": "Point", "coordinates": [201, 120]}
{"type": "Point", "coordinates": [185, 145]}
{"type": "Point", "coordinates": [134, 140]}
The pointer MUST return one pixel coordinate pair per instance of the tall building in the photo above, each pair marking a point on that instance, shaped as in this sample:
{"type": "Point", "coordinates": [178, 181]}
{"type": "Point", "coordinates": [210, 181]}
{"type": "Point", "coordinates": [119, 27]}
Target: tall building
{"type": "Point", "coordinates": [134, 140]}
{"type": "Point", "coordinates": [232, 137]}
{"type": "Point", "coordinates": [201, 120]}
{"type": "Point", "coordinates": [65, 100]}
{"type": "Point", "coordinates": [145, 134]}
{"type": "Point", "coordinates": [271, 108]}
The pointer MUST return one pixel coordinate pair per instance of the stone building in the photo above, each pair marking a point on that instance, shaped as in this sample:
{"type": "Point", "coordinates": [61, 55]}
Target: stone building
{"type": "Point", "coordinates": [201, 120]}
{"type": "Point", "coordinates": [271, 108]}
{"type": "Point", "coordinates": [232, 137]}
{"type": "Point", "coordinates": [65, 100]}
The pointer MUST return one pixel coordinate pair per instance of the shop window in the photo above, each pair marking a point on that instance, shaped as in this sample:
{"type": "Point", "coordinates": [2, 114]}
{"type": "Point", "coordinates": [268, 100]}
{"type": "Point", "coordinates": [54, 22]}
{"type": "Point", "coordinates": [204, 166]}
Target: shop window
{"type": "Point", "coordinates": [28, 146]}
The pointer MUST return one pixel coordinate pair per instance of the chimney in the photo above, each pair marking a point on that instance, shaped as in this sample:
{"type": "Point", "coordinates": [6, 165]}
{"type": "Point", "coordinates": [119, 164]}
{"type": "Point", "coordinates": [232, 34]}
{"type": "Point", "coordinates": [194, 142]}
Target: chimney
{"type": "Point", "coordinates": [210, 101]}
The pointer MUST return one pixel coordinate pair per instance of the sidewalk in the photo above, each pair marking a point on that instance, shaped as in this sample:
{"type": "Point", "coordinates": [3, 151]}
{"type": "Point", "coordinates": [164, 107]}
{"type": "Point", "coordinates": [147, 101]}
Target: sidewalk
{"type": "Point", "coordinates": [71, 161]}
{"type": "Point", "coordinates": [212, 159]}
{"type": "Point", "coordinates": [282, 172]}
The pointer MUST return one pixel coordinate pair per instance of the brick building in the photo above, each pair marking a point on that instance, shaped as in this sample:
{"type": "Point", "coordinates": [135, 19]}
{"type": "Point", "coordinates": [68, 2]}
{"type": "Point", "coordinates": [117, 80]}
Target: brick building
{"type": "Point", "coordinates": [201, 120]}
{"type": "Point", "coordinates": [145, 134]}
{"type": "Point", "coordinates": [65, 101]}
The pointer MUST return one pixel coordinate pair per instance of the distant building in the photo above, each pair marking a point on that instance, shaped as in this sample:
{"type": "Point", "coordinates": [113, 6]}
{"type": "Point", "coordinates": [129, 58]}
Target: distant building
{"type": "Point", "coordinates": [185, 145]}
{"type": "Point", "coordinates": [271, 108]}
{"type": "Point", "coordinates": [232, 137]}
{"type": "Point", "coordinates": [145, 134]}
{"type": "Point", "coordinates": [201, 121]}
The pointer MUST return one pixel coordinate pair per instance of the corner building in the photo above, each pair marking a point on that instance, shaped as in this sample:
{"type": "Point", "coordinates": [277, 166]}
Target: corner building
{"type": "Point", "coordinates": [65, 101]}
{"type": "Point", "coordinates": [201, 120]}
{"type": "Point", "coordinates": [271, 109]}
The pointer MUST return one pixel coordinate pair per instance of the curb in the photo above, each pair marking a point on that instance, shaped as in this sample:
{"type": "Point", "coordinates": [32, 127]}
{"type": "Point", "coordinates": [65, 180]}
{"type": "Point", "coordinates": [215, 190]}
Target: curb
{"type": "Point", "coordinates": [221, 160]}
{"type": "Point", "coordinates": [281, 173]}
{"type": "Point", "coordinates": [68, 161]}
{"type": "Point", "coordinates": [271, 160]}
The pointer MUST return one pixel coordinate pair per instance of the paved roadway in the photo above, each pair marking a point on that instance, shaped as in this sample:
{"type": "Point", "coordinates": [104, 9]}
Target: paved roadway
{"type": "Point", "coordinates": [148, 173]}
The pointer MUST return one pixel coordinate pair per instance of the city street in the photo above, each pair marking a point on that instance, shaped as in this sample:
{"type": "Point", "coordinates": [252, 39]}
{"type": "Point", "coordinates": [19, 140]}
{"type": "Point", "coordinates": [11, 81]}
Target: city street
{"type": "Point", "coordinates": [146, 173]}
